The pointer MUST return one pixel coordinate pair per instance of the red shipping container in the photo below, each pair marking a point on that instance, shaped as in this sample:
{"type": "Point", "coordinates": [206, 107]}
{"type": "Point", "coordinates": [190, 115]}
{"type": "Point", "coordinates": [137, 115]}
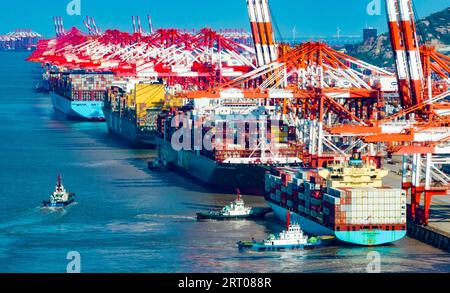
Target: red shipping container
{"type": "Point", "coordinates": [283, 197]}
{"type": "Point", "coordinates": [316, 194]}
{"type": "Point", "coordinates": [286, 178]}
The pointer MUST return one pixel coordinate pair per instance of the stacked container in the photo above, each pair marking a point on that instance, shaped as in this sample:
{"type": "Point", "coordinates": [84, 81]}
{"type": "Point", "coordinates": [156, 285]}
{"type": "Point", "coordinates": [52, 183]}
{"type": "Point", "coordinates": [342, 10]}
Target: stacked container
{"type": "Point", "coordinates": [304, 192]}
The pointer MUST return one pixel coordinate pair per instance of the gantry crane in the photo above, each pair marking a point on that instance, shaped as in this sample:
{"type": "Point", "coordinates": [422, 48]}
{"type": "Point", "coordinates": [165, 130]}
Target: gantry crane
{"type": "Point", "coordinates": [421, 130]}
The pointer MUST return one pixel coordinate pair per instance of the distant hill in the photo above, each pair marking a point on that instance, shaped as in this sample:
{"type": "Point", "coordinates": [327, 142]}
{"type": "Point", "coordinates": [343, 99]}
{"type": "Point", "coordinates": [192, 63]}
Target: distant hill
{"type": "Point", "coordinates": [434, 28]}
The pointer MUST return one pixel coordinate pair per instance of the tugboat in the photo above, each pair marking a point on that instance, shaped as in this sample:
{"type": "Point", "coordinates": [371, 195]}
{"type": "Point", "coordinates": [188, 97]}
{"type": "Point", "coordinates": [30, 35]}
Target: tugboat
{"type": "Point", "coordinates": [159, 164]}
{"type": "Point", "coordinates": [39, 88]}
{"type": "Point", "coordinates": [60, 197]}
{"type": "Point", "coordinates": [292, 238]}
{"type": "Point", "coordinates": [236, 210]}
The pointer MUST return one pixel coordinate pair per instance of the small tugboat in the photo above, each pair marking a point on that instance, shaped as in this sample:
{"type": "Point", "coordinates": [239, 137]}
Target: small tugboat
{"type": "Point", "coordinates": [39, 88]}
{"type": "Point", "coordinates": [235, 211]}
{"type": "Point", "coordinates": [60, 197]}
{"type": "Point", "coordinates": [292, 238]}
{"type": "Point", "coordinates": [159, 164]}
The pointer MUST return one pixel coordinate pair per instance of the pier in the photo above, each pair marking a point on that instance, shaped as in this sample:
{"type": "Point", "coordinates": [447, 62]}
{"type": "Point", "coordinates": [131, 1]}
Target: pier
{"type": "Point", "coordinates": [437, 232]}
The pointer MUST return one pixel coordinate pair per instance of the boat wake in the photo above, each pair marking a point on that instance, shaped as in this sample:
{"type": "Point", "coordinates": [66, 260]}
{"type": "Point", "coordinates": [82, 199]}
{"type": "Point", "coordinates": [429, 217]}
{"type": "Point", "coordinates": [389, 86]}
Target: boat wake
{"type": "Point", "coordinates": [33, 216]}
{"type": "Point", "coordinates": [133, 227]}
{"type": "Point", "coordinates": [165, 217]}
{"type": "Point", "coordinates": [106, 163]}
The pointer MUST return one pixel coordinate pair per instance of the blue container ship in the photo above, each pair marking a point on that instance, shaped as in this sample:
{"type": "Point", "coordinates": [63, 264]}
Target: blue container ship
{"type": "Point", "coordinates": [80, 95]}
{"type": "Point", "coordinates": [346, 200]}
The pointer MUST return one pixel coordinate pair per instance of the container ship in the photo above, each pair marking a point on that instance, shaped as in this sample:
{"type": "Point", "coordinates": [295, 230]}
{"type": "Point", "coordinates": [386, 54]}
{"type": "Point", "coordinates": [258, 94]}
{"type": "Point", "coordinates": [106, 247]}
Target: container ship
{"type": "Point", "coordinates": [238, 156]}
{"type": "Point", "coordinates": [346, 200]}
{"type": "Point", "coordinates": [79, 94]}
{"type": "Point", "coordinates": [131, 110]}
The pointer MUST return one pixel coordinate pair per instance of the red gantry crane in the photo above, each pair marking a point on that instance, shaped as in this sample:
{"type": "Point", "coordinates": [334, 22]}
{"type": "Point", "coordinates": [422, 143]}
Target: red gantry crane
{"type": "Point", "coordinates": [311, 85]}
{"type": "Point", "coordinates": [421, 130]}
{"type": "Point", "coordinates": [182, 59]}
{"type": "Point", "coordinates": [339, 103]}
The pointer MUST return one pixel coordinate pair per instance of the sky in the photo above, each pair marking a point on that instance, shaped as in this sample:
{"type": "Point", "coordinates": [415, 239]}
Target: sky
{"type": "Point", "coordinates": [311, 18]}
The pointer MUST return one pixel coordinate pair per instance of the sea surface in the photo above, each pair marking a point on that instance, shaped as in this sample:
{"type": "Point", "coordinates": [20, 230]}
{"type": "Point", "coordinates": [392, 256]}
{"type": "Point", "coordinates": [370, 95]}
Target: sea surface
{"type": "Point", "coordinates": [128, 219]}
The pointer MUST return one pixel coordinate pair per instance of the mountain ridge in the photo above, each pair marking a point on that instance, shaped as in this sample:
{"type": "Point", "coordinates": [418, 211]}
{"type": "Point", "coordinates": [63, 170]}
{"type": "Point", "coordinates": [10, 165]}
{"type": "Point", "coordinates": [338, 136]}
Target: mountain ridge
{"type": "Point", "coordinates": [433, 29]}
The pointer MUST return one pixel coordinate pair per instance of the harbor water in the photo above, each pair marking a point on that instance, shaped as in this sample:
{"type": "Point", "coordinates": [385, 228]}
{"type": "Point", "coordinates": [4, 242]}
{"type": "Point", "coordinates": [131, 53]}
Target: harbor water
{"type": "Point", "coordinates": [128, 219]}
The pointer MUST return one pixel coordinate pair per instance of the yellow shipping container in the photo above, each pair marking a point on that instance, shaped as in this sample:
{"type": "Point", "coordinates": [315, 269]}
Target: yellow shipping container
{"type": "Point", "coordinates": [173, 102]}
{"type": "Point", "coordinates": [151, 95]}
{"type": "Point", "coordinates": [130, 100]}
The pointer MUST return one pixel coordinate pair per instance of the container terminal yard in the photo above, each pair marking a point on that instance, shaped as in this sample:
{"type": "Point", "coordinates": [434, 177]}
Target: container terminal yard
{"type": "Point", "coordinates": [311, 106]}
{"type": "Point", "coordinates": [19, 40]}
{"type": "Point", "coordinates": [342, 147]}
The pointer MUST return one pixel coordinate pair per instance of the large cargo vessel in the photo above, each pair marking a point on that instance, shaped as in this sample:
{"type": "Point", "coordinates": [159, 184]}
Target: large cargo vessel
{"type": "Point", "coordinates": [79, 95]}
{"type": "Point", "coordinates": [131, 111]}
{"type": "Point", "coordinates": [346, 199]}
{"type": "Point", "coordinates": [132, 107]}
{"type": "Point", "coordinates": [245, 139]}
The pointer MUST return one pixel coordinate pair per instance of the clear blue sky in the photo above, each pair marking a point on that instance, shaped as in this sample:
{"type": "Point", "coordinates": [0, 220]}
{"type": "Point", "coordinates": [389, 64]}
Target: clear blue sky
{"type": "Point", "coordinates": [310, 17]}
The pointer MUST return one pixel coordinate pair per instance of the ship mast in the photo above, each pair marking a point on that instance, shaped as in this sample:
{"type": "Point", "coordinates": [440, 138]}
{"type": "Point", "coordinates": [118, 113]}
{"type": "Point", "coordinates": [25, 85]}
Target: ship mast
{"type": "Point", "coordinates": [59, 182]}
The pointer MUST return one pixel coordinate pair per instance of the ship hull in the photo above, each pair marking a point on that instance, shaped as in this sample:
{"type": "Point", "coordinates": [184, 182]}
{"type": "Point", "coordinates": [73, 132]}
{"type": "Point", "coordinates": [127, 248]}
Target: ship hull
{"type": "Point", "coordinates": [365, 238]}
{"type": "Point", "coordinates": [127, 131]}
{"type": "Point", "coordinates": [262, 247]}
{"type": "Point", "coordinates": [257, 213]}
{"type": "Point", "coordinates": [78, 110]}
{"type": "Point", "coordinates": [218, 176]}
{"type": "Point", "coordinates": [49, 204]}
